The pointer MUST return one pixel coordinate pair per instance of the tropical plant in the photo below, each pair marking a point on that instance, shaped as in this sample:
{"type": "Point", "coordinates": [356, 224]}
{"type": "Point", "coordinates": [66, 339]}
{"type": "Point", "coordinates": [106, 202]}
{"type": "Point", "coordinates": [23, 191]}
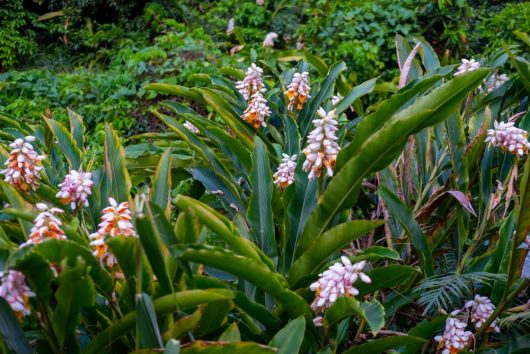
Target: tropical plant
{"type": "Point", "coordinates": [215, 237]}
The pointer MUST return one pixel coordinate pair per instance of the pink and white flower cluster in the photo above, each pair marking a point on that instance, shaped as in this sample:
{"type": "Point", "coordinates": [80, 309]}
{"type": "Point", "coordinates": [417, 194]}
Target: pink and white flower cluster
{"type": "Point", "coordinates": [116, 221]}
{"type": "Point", "coordinates": [509, 137]}
{"type": "Point", "coordinates": [75, 189]}
{"type": "Point", "coordinates": [298, 91]}
{"type": "Point", "coordinates": [284, 176]}
{"type": "Point", "coordinates": [455, 337]}
{"type": "Point", "coordinates": [495, 81]}
{"type": "Point", "coordinates": [15, 291]}
{"type": "Point", "coordinates": [23, 165]}
{"type": "Point", "coordinates": [467, 65]}
{"type": "Point", "coordinates": [481, 309]}
{"type": "Point", "coordinates": [252, 89]}
{"type": "Point", "coordinates": [46, 225]}
{"type": "Point", "coordinates": [269, 39]}
{"type": "Point", "coordinates": [252, 82]}
{"type": "Point", "coordinates": [337, 281]}
{"type": "Point", "coordinates": [322, 148]}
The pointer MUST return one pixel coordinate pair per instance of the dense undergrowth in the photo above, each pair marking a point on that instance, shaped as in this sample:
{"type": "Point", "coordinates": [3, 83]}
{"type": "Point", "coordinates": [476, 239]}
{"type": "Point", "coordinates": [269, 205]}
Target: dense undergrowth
{"type": "Point", "coordinates": [367, 193]}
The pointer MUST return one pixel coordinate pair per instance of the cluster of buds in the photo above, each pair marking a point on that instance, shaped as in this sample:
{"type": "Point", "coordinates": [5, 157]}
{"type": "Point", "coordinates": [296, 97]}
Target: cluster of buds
{"type": "Point", "coordinates": [495, 81]}
{"type": "Point", "coordinates": [467, 65]}
{"type": "Point", "coordinates": [15, 291]}
{"type": "Point", "coordinates": [23, 165]}
{"type": "Point", "coordinates": [322, 148]}
{"type": "Point", "coordinates": [46, 225]}
{"type": "Point", "coordinates": [269, 40]}
{"type": "Point", "coordinates": [509, 137]}
{"type": "Point", "coordinates": [257, 111]}
{"type": "Point", "coordinates": [336, 99]}
{"type": "Point", "coordinates": [481, 309]}
{"type": "Point", "coordinates": [455, 337]}
{"type": "Point", "coordinates": [75, 189]}
{"type": "Point", "coordinates": [231, 26]}
{"type": "Point", "coordinates": [260, 2]}
{"type": "Point", "coordinates": [116, 221]}
{"type": "Point", "coordinates": [252, 82]}
{"type": "Point", "coordinates": [192, 129]}
{"type": "Point", "coordinates": [284, 176]}
{"type": "Point", "coordinates": [337, 281]}
{"type": "Point", "coordinates": [298, 91]}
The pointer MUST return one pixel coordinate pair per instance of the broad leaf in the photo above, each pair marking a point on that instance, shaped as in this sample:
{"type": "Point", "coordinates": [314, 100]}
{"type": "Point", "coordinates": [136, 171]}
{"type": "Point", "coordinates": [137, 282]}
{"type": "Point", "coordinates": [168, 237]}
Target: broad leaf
{"type": "Point", "coordinates": [289, 339]}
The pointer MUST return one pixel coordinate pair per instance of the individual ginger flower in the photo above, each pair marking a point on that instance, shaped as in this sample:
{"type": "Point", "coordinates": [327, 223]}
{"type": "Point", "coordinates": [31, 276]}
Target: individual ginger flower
{"type": "Point", "coordinates": [46, 225]}
{"type": "Point", "coordinates": [322, 148]}
{"type": "Point", "coordinates": [495, 81]}
{"type": "Point", "coordinates": [252, 82]}
{"type": "Point", "coordinates": [336, 99]}
{"type": "Point", "coordinates": [467, 65]}
{"type": "Point", "coordinates": [23, 165]}
{"type": "Point", "coordinates": [260, 2]}
{"type": "Point", "coordinates": [337, 281]}
{"type": "Point", "coordinates": [116, 221]}
{"type": "Point", "coordinates": [481, 309]}
{"type": "Point", "coordinates": [15, 291]}
{"type": "Point", "coordinates": [269, 40]}
{"type": "Point", "coordinates": [256, 111]}
{"type": "Point", "coordinates": [300, 43]}
{"type": "Point", "coordinates": [75, 189]}
{"type": "Point", "coordinates": [298, 91]}
{"type": "Point", "coordinates": [231, 26]}
{"type": "Point", "coordinates": [192, 129]}
{"type": "Point", "coordinates": [284, 176]}
{"type": "Point", "coordinates": [509, 138]}
{"type": "Point", "coordinates": [455, 337]}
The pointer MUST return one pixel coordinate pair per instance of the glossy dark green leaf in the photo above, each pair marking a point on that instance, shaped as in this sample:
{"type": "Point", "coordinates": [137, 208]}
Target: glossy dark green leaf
{"type": "Point", "coordinates": [426, 330]}
{"type": "Point", "coordinates": [289, 339]}
{"type": "Point", "coordinates": [330, 242]}
{"type": "Point", "coordinates": [77, 129]}
{"type": "Point", "coordinates": [372, 312]}
{"type": "Point", "coordinates": [147, 330]}
{"type": "Point", "coordinates": [153, 246]}
{"type": "Point", "coordinates": [117, 183]}
{"type": "Point", "coordinates": [11, 331]}
{"type": "Point", "coordinates": [204, 347]}
{"type": "Point", "coordinates": [163, 306]}
{"type": "Point", "coordinates": [401, 212]}
{"type": "Point", "coordinates": [162, 182]}
{"type": "Point", "coordinates": [260, 209]}
{"type": "Point", "coordinates": [66, 143]}
{"type": "Point", "coordinates": [381, 345]}
{"type": "Point", "coordinates": [386, 278]}
{"type": "Point", "coordinates": [76, 291]}
{"type": "Point", "coordinates": [250, 270]}
{"type": "Point", "coordinates": [357, 92]}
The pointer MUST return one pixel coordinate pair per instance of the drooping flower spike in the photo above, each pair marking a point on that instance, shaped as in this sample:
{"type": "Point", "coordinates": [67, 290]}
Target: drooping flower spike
{"type": "Point", "coordinates": [467, 65]}
{"type": "Point", "coordinates": [284, 176]}
{"type": "Point", "coordinates": [14, 290]}
{"type": "Point", "coordinates": [337, 281]}
{"type": "Point", "coordinates": [509, 138]}
{"type": "Point", "coordinates": [455, 337]}
{"type": "Point", "coordinates": [269, 40]}
{"type": "Point", "coordinates": [298, 91]}
{"type": "Point", "coordinates": [116, 221]}
{"type": "Point", "coordinates": [322, 148]}
{"type": "Point", "coordinates": [495, 81]}
{"type": "Point", "coordinates": [257, 111]}
{"type": "Point", "coordinates": [46, 225]}
{"type": "Point", "coordinates": [252, 82]}
{"type": "Point", "coordinates": [75, 189]}
{"type": "Point", "coordinates": [481, 309]}
{"type": "Point", "coordinates": [23, 165]}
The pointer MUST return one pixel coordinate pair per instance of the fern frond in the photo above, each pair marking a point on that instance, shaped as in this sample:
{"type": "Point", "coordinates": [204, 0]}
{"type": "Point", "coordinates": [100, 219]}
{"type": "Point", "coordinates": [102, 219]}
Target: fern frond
{"type": "Point", "coordinates": [449, 291]}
